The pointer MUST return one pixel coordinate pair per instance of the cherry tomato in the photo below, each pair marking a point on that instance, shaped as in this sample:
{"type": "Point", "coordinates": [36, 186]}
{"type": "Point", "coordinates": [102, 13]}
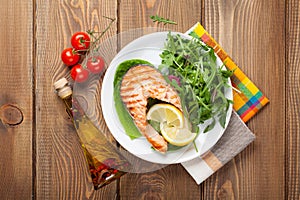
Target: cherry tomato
{"type": "Point", "coordinates": [70, 57]}
{"type": "Point", "coordinates": [80, 41]}
{"type": "Point", "coordinates": [79, 74]}
{"type": "Point", "coordinates": [95, 64]}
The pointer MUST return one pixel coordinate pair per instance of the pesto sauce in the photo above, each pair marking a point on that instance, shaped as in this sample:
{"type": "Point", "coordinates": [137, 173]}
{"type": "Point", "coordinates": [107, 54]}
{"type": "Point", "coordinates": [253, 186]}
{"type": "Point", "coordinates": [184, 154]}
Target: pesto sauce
{"type": "Point", "coordinates": [124, 116]}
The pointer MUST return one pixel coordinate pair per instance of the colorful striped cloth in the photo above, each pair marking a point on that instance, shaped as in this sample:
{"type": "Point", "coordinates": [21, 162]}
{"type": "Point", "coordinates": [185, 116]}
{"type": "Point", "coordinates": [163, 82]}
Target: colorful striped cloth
{"type": "Point", "coordinates": [250, 99]}
{"type": "Point", "coordinates": [237, 135]}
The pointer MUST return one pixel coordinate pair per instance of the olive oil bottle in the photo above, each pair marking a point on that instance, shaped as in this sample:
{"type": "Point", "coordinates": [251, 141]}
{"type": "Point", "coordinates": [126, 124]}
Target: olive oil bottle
{"type": "Point", "coordinates": [105, 162]}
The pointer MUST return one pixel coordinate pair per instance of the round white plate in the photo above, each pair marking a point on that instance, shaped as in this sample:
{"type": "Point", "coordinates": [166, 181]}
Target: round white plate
{"type": "Point", "coordinates": [148, 48]}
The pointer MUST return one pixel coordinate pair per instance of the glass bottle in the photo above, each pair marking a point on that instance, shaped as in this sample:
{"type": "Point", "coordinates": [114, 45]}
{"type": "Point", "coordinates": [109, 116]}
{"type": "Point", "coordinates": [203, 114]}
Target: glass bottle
{"type": "Point", "coordinates": [106, 164]}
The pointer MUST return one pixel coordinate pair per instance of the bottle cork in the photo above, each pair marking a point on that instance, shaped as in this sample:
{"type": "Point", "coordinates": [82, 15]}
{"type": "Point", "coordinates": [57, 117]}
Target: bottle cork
{"type": "Point", "coordinates": [60, 83]}
{"type": "Point", "coordinates": [62, 88]}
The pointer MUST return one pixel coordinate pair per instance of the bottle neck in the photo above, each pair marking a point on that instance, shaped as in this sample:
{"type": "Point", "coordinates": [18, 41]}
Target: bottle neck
{"type": "Point", "coordinates": [73, 107]}
{"type": "Point", "coordinates": [68, 103]}
{"type": "Point", "coordinates": [65, 92]}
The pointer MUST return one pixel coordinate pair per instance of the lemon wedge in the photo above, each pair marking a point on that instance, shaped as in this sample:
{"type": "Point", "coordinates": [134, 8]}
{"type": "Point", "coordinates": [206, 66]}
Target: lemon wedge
{"type": "Point", "coordinates": [166, 113]}
{"type": "Point", "coordinates": [177, 136]}
{"type": "Point", "coordinates": [173, 125]}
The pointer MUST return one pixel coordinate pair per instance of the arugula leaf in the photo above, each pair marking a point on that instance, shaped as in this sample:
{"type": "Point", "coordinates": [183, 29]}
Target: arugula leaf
{"type": "Point", "coordinates": [222, 119]}
{"type": "Point", "coordinates": [156, 18]}
{"type": "Point", "coordinates": [226, 73]}
{"type": "Point", "coordinates": [210, 126]}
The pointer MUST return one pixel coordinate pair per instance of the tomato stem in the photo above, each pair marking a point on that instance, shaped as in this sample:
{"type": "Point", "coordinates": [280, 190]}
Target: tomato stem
{"type": "Point", "coordinates": [82, 41]}
{"type": "Point", "coordinates": [91, 32]}
{"type": "Point", "coordinates": [105, 30]}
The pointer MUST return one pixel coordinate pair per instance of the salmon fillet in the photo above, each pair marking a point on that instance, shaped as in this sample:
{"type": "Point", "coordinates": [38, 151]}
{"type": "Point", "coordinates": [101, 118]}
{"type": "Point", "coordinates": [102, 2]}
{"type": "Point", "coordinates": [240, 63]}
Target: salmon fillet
{"type": "Point", "coordinates": [138, 84]}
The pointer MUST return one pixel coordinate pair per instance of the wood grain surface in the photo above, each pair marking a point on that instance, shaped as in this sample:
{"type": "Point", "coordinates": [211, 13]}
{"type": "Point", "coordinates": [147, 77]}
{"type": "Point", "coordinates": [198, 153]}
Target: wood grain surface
{"type": "Point", "coordinates": [246, 30]}
{"type": "Point", "coordinates": [293, 100]}
{"type": "Point", "coordinates": [16, 100]}
{"type": "Point", "coordinates": [41, 156]}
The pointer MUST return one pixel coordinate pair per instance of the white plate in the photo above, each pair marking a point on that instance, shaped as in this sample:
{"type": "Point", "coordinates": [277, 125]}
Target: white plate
{"type": "Point", "coordinates": [148, 48]}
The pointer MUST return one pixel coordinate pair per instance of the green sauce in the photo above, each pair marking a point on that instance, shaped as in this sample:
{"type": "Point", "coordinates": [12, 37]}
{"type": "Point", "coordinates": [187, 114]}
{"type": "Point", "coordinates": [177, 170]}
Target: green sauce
{"type": "Point", "coordinates": [124, 116]}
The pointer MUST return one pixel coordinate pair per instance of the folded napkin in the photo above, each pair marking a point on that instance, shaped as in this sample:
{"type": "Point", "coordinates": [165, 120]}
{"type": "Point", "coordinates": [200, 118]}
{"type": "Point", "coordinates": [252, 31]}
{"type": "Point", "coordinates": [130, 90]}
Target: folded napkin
{"type": "Point", "coordinates": [248, 100]}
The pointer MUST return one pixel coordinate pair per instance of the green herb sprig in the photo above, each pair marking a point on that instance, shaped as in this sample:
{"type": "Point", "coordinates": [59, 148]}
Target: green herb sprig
{"type": "Point", "coordinates": [156, 18]}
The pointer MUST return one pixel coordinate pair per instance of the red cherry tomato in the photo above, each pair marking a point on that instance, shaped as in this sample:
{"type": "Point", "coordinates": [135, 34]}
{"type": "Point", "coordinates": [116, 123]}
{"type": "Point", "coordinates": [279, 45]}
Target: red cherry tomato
{"type": "Point", "coordinates": [79, 74]}
{"type": "Point", "coordinates": [70, 57]}
{"type": "Point", "coordinates": [95, 64]}
{"type": "Point", "coordinates": [80, 41]}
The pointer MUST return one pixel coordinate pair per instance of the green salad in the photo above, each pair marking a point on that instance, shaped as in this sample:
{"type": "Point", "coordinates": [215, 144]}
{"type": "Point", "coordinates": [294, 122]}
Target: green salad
{"type": "Point", "coordinates": [195, 63]}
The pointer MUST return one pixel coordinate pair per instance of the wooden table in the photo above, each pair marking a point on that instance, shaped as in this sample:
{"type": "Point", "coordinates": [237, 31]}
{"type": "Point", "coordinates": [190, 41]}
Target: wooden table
{"type": "Point", "coordinates": [41, 157]}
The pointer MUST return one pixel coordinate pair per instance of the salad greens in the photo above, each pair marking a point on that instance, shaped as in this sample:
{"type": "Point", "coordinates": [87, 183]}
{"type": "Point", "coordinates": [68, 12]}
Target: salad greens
{"type": "Point", "coordinates": [195, 62]}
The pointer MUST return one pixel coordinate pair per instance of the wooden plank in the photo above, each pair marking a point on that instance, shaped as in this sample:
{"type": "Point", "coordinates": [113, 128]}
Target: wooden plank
{"type": "Point", "coordinates": [252, 32]}
{"type": "Point", "coordinates": [172, 182]}
{"type": "Point", "coordinates": [16, 99]}
{"type": "Point", "coordinates": [61, 170]}
{"type": "Point", "coordinates": [136, 14]}
{"type": "Point", "coordinates": [293, 100]}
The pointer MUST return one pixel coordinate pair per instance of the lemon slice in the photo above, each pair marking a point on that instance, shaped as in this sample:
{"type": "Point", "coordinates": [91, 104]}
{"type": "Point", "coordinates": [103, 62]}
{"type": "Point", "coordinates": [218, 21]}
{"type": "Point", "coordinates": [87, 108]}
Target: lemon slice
{"type": "Point", "coordinates": [166, 113]}
{"type": "Point", "coordinates": [177, 136]}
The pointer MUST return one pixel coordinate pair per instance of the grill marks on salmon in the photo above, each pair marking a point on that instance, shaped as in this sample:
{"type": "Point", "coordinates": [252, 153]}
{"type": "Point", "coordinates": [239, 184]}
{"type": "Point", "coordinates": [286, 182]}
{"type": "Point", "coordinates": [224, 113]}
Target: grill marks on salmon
{"type": "Point", "coordinates": [138, 84]}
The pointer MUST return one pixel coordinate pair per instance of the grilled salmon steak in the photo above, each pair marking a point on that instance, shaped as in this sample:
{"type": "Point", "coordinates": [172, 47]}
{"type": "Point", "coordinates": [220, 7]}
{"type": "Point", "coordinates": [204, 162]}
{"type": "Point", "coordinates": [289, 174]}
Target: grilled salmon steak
{"type": "Point", "coordinates": [138, 84]}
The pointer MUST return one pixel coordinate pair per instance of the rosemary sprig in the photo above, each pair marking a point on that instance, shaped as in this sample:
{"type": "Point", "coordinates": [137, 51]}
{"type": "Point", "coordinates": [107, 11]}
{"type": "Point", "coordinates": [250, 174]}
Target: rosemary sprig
{"type": "Point", "coordinates": [156, 18]}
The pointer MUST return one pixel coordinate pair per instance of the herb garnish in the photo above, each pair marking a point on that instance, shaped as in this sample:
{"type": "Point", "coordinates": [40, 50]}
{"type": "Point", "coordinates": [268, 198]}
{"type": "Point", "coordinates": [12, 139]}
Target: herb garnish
{"type": "Point", "coordinates": [156, 18]}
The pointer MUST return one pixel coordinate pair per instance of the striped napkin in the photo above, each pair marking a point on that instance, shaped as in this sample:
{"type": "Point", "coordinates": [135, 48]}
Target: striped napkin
{"type": "Point", "coordinates": [248, 100]}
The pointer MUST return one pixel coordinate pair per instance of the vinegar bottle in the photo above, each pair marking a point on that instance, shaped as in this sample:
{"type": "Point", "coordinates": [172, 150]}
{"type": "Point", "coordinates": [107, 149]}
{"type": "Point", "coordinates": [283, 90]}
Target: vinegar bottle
{"type": "Point", "coordinates": [104, 161]}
